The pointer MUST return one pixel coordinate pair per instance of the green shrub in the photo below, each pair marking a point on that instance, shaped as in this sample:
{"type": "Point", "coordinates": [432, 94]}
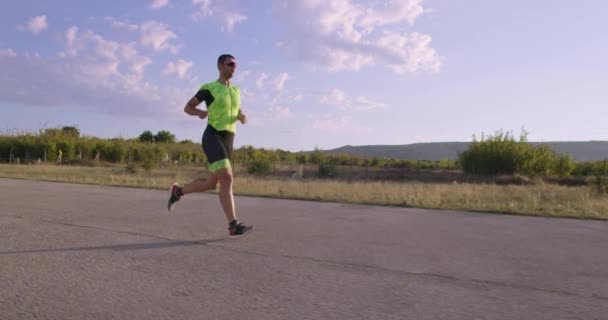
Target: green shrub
{"type": "Point", "coordinates": [117, 152]}
{"type": "Point", "coordinates": [600, 179]}
{"type": "Point", "coordinates": [148, 164]}
{"type": "Point", "coordinates": [502, 154]}
{"type": "Point", "coordinates": [564, 165]}
{"type": "Point", "coordinates": [327, 170]}
{"type": "Point", "coordinates": [260, 166]}
{"type": "Point", "coordinates": [67, 148]}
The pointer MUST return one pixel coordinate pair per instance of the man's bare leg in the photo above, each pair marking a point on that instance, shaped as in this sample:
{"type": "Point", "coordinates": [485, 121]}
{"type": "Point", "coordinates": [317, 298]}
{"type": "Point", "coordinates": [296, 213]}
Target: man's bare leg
{"type": "Point", "coordinates": [201, 185]}
{"type": "Point", "coordinates": [225, 178]}
{"type": "Point", "coordinates": [226, 196]}
{"type": "Point", "coordinates": [197, 185]}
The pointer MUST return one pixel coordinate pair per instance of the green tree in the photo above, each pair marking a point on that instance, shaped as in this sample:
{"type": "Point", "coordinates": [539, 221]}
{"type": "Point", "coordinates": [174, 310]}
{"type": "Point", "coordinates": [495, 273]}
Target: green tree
{"type": "Point", "coordinates": [164, 137]}
{"type": "Point", "coordinates": [117, 152]}
{"type": "Point", "coordinates": [564, 165]}
{"type": "Point", "coordinates": [260, 165]}
{"type": "Point", "coordinates": [146, 136]}
{"type": "Point", "coordinates": [600, 180]}
{"type": "Point", "coordinates": [67, 148]}
{"type": "Point", "coordinates": [52, 132]}
{"type": "Point", "coordinates": [316, 157]}
{"type": "Point", "coordinates": [71, 131]}
{"type": "Point", "coordinates": [301, 158]}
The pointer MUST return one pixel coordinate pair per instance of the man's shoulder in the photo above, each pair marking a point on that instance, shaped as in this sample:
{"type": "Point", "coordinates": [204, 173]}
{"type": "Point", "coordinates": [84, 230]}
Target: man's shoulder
{"type": "Point", "coordinates": [214, 84]}
{"type": "Point", "coordinates": [207, 85]}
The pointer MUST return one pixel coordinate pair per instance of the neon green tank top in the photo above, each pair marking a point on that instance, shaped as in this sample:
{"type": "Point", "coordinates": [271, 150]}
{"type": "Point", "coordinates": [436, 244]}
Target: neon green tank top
{"type": "Point", "coordinates": [223, 103]}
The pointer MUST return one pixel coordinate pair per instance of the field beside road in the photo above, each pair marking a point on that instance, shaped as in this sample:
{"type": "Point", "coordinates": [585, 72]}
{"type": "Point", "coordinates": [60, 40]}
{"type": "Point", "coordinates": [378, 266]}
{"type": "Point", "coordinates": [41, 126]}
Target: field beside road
{"type": "Point", "coordinates": [540, 199]}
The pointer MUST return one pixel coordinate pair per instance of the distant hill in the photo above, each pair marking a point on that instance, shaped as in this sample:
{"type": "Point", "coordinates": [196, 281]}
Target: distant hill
{"type": "Point", "coordinates": [580, 150]}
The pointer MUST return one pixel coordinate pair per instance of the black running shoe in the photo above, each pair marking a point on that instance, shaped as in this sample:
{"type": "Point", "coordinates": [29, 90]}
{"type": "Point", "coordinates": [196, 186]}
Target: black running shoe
{"type": "Point", "coordinates": [174, 195]}
{"type": "Point", "coordinates": [239, 229]}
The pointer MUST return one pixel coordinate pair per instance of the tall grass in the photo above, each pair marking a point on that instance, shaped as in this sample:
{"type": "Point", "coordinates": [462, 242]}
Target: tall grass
{"type": "Point", "coordinates": [539, 199]}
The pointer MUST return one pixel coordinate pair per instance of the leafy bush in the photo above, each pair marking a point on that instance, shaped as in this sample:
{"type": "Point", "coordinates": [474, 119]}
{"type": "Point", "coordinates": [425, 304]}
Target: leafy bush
{"type": "Point", "coordinates": [117, 152]}
{"type": "Point", "coordinates": [260, 166]}
{"type": "Point", "coordinates": [600, 179]}
{"type": "Point", "coordinates": [502, 154]}
{"type": "Point", "coordinates": [327, 170]}
{"type": "Point", "coordinates": [148, 164]}
{"type": "Point", "coordinates": [67, 148]}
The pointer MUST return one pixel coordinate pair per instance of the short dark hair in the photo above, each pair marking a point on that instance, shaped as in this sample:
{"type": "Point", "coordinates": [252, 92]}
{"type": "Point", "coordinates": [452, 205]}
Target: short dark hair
{"type": "Point", "coordinates": [223, 58]}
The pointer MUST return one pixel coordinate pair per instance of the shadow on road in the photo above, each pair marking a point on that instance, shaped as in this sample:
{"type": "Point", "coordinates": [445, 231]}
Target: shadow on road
{"type": "Point", "coordinates": [122, 247]}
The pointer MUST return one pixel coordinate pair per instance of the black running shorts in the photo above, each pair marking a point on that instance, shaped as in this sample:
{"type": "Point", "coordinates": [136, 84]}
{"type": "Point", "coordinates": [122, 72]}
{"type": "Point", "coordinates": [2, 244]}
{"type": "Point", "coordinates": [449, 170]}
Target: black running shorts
{"type": "Point", "coordinates": [217, 146]}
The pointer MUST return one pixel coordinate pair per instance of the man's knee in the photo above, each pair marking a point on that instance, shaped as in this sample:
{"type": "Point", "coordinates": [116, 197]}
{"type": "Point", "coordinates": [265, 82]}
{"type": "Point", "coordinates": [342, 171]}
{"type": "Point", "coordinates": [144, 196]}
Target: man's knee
{"type": "Point", "coordinates": [212, 182]}
{"type": "Point", "coordinates": [225, 177]}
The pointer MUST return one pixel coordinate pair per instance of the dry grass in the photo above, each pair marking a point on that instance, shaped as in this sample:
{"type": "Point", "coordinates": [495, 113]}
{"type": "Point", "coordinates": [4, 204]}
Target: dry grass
{"type": "Point", "coordinates": [540, 199]}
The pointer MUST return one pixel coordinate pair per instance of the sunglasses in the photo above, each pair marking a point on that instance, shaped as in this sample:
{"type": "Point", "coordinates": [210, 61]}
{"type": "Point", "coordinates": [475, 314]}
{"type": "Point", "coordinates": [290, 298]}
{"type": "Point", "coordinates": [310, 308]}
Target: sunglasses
{"type": "Point", "coordinates": [231, 64]}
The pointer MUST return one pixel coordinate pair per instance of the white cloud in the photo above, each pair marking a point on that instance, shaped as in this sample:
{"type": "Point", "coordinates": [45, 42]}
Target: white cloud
{"type": "Point", "coordinates": [364, 103]}
{"type": "Point", "coordinates": [335, 96]}
{"type": "Point", "coordinates": [331, 125]}
{"type": "Point", "coordinates": [7, 53]}
{"type": "Point", "coordinates": [270, 92]}
{"type": "Point", "coordinates": [154, 34]}
{"type": "Point", "coordinates": [346, 35]}
{"type": "Point", "coordinates": [87, 82]}
{"type": "Point", "coordinates": [341, 59]}
{"type": "Point", "coordinates": [261, 79]}
{"type": "Point", "coordinates": [412, 53]}
{"type": "Point", "coordinates": [157, 4]}
{"type": "Point", "coordinates": [338, 98]}
{"type": "Point", "coordinates": [203, 9]}
{"type": "Point", "coordinates": [72, 46]}
{"type": "Point", "coordinates": [125, 26]}
{"type": "Point", "coordinates": [158, 36]}
{"type": "Point", "coordinates": [396, 12]}
{"type": "Point", "coordinates": [351, 21]}
{"type": "Point", "coordinates": [91, 73]}
{"type": "Point", "coordinates": [231, 19]}
{"type": "Point", "coordinates": [297, 97]}
{"type": "Point", "coordinates": [70, 35]}
{"type": "Point", "coordinates": [36, 24]}
{"type": "Point", "coordinates": [271, 87]}
{"type": "Point", "coordinates": [210, 8]}
{"type": "Point", "coordinates": [104, 58]}
{"type": "Point", "coordinates": [338, 124]}
{"type": "Point", "coordinates": [243, 75]}
{"type": "Point", "coordinates": [279, 81]}
{"type": "Point", "coordinates": [138, 67]}
{"type": "Point", "coordinates": [181, 68]}
{"type": "Point", "coordinates": [277, 113]}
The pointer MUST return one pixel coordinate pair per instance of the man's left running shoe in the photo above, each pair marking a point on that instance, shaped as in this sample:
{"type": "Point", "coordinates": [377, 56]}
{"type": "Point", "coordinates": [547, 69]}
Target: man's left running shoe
{"type": "Point", "coordinates": [240, 229]}
{"type": "Point", "coordinates": [175, 193]}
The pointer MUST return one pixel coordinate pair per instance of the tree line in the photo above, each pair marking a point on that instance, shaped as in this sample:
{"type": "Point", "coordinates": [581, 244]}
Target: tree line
{"type": "Point", "coordinates": [150, 149]}
{"type": "Point", "coordinates": [493, 155]}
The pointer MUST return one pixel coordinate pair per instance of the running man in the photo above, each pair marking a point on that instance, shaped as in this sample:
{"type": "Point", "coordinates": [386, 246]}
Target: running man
{"type": "Point", "coordinates": [223, 102]}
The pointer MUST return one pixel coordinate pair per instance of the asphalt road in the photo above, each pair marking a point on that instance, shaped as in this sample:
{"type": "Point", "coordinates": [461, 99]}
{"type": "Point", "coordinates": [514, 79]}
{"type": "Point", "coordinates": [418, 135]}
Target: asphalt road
{"type": "Point", "coordinates": [92, 252]}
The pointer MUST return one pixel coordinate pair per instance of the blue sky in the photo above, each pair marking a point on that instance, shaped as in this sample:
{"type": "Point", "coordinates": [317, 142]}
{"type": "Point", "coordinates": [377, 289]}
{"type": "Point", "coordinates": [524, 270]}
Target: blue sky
{"type": "Point", "coordinates": [312, 73]}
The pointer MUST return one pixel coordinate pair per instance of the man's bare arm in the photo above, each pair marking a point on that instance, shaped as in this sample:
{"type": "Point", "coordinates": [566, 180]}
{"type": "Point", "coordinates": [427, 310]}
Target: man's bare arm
{"type": "Point", "coordinates": [191, 109]}
{"type": "Point", "coordinates": [241, 117]}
